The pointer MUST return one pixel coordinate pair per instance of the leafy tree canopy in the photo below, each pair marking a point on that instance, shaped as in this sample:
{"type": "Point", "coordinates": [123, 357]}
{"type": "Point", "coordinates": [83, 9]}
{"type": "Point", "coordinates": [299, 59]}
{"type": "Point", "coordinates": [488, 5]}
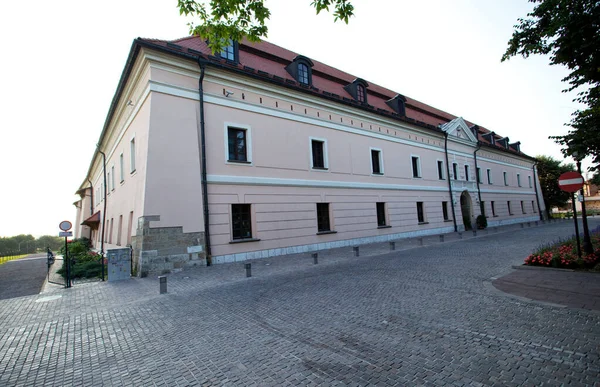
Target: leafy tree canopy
{"type": "Point", "coordinates": [221, 20]}
{"type": "Point", "coordinates": [549, 169]}
{"type": "Point", "coordinates": [568, 31]}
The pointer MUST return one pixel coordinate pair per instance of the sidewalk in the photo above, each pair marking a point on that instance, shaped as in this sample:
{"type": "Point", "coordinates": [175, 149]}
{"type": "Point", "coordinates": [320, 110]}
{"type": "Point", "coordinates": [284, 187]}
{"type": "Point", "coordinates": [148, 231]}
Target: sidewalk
{"type": "Point", "coordinates": [557, 286]}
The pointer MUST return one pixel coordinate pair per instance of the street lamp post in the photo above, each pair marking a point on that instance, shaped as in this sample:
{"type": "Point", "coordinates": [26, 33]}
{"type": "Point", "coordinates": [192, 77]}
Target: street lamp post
{"type": "Point", "coordinates": [587, 242]}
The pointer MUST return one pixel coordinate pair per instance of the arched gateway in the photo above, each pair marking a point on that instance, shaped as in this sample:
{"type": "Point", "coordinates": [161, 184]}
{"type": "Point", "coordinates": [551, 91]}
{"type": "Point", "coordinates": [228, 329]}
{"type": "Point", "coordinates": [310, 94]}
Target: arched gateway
{"type": "Point", "coordinates": [466, 208]}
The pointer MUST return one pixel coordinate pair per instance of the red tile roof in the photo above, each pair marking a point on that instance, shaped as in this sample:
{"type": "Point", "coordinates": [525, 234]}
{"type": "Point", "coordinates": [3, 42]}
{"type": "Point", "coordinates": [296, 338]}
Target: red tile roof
{"type": "Point", "coordinates": [272, 59]}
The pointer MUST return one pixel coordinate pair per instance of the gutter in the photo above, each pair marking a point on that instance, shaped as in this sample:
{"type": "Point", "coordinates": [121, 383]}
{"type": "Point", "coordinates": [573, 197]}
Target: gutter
{"type": "Point", "coordinates": [104, 212]}
{"type": "Point", "coordinates": [481, 208]}
{"type": "Point", "coordinates": [91, 197]}
{"type": "Point", "coordinates": [449, 182]}
{"type": "Point", "coordinates": [202, 150]}
{"type": "Point", "coordinates": [537, 197]}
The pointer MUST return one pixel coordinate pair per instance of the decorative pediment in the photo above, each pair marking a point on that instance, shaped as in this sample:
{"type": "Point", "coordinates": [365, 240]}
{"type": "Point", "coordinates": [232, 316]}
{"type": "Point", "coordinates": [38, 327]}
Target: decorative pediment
{"type": "Point", "coordinates": [458, 128]}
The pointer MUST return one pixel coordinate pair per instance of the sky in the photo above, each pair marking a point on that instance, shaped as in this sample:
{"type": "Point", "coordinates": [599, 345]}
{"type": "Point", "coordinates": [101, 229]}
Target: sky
{"type": "Point", "coordinates": [62, 61]}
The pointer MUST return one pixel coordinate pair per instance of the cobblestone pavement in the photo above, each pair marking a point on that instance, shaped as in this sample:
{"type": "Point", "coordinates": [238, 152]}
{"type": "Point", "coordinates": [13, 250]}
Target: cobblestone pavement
{"type": "Point", "coordinates": [419, 316]}
{"type": "Point", "coordinates": [22, 277]}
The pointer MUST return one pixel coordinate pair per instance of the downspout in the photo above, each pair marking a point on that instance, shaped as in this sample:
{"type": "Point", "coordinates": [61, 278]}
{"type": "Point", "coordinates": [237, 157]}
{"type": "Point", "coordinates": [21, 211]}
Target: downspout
{"type": "Point", "coordinates": [481, 209]}
{"type": "Point", "coordinates": [104, 211]}
{"type": "Point", "coordinates": [537, 198]}
{"type": "Point", "coordinates": [449, 182]}
{"type": "Point", "coordinates": [91, 197]}
{"type": "Point", "coordinates": [203, 179]}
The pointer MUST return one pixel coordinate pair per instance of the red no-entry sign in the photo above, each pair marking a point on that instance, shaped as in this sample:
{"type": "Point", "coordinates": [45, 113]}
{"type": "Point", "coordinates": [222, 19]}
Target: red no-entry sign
{"type": "Point", "coordinates": [570, 181]}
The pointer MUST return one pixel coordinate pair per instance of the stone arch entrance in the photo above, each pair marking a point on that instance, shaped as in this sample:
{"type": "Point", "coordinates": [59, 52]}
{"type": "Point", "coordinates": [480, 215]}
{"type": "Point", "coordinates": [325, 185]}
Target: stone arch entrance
{"type": "Point", "coordinates": [466, 207]}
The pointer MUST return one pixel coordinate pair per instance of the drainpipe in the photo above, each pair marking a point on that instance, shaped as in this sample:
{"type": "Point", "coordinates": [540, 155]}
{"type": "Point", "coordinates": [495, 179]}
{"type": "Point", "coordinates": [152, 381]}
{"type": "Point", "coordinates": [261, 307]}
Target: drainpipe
{"type": "Point", "coordinates": [481, 209]}
{"type": "Point", "coordinates": [449, 182]}
{"type": "Point", "coordinates": [202, 149]}
{"type": "Point", "coordinates": [537, 198]}
{"type": "Point", "coordinates": [104, 212]}
{"type": "Point", "coordinates": [91, 197]}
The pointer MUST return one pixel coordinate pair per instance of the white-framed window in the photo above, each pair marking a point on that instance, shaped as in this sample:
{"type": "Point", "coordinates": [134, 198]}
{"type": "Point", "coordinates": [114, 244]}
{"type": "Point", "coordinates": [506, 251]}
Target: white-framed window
{"type": "Point", "coordinates": [440, 170]}
{"type": "Point", "coordinates": [509, 209]}
{"type": "Point", "coordinates": [445, 211]}
{"type": "Point", "coordinates": [489, 176]}
{"type": "Point", "coordinates": [467, 170]}
{"type": "Point", "coordinates": [478, 177]}
{"type": "Point", "coordinates": [416, 166]}
{"type": "Point", "coordinates": [238, 144]}
{"type": "Point", "coordinates": [112, 176]}
{"type": "Point", "coordinates": [523, 207]}
{"type": "Point", "coordinates": [455, 171]}
{"type": "Point", "coordinates": [529, 179]}
{"type": "Point", "coordinates": [376, 161]}
{"type": "Point", "coordinates": [533, 206]}
{"type": "Point", "coordinates": [505, 175]}
{"type": "Point", "coordinates": [493, 208]}
{"type": "Point", "coordinates": [121, 168]}
{"type": "Point", "coordinates": [382, 218]}
{"type": "Point", "coordinates": [518, 179]}
{"type": "Point", "coordinates": [421, 218]}
{"type": "Point", "coordinates": [108, 182]}
{"type": "Point", "coordinates": [132, 155]}
{"type": "Point", "coordinates": [318, 153]}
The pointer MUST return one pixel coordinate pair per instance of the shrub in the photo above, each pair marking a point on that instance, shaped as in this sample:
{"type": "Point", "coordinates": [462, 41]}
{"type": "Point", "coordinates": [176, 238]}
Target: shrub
{"type": "Point", "coordinates": [481, 221]}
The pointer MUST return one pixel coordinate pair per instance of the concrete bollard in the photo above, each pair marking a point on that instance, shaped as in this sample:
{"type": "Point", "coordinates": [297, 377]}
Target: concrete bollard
{"type": "Point", "coordinates": [441, 238]}
{"type": "Point", "coordinates": [356, 252]}
{"type": "Point", "coordinates": [522, 225]}
{"type": "Point", "coordinates": [162, 280]}
{"type": "Point", "coordinates": [474, 232]}
{"type": "Point", "coordinates": [315, 258]}
{"type": "Point", "coordinates": [460, 235]}
{"type": "Point", "coordinates": [420, 241]}
{"type": "Point", "coordinates": [536, 222]}
{"type": "Point", "coordinates": [248, 267]}
{"type": "Point", "coordinates": [528, 224]}
{"type": "Point", "coordinates": [392, 246]}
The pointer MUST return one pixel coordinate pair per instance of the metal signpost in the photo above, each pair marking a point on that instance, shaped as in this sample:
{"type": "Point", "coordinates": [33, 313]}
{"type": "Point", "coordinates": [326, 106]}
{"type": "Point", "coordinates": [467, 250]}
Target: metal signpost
{"type": "Point", "coordinates": [572, 182]}
{"type": "Point", "coordinates": [65, 226]}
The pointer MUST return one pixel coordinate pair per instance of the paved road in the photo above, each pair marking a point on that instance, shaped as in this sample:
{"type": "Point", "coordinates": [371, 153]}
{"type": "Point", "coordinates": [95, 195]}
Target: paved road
{"type": "Point", "coordinates": [22, 277]}
{"type": "Point", "coordinates": [424, 316]}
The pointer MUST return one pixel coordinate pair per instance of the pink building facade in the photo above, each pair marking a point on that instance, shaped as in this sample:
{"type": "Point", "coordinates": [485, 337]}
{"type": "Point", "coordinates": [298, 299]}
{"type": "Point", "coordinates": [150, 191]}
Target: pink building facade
{"type": "Point", "coordinates": [259, 152]}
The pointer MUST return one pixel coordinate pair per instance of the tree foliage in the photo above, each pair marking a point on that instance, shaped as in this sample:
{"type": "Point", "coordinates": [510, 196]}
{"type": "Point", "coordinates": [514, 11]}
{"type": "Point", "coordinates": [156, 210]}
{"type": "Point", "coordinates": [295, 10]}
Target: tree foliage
{"type": "Point", "coordinates": [549, 169]}
{"type": "Point", "coordinates": [568, 31]}
{"type": "Point", "coordinates": [25, 244]}
{"type": "Point", "coordinates": [221, 20]}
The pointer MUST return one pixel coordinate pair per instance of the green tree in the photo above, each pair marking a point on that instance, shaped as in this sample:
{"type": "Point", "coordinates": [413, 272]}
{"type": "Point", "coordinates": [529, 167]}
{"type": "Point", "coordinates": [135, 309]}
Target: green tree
{"type": "Point", "coordinates": [221, 20]}
{"type": "Point", "coordinates": [54, 242]}
{"type": "Point", "coordinates": [549, 169]}
{"type": "Point", "coordinates": [568, 31]}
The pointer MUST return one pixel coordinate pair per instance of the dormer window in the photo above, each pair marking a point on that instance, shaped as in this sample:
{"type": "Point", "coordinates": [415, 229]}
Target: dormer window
{"type": "Point", "coordinates": [398, 104]}
{"type": "Point", "coordinates": [358, 90]}
{"type": "Point", "coordinates": [301, 70]}
{"type": "Point", "coordinates": [230, 51]}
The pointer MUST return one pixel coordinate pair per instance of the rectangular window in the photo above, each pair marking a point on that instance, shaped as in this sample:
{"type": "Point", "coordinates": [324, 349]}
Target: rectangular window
{"type": "Point", "coordinates": [440, 165]}
{"type": "Point", "coordinates": [381, 214]}
{"type": "Point", "coordinates": [318, 154]}
{"type": "Point", "coordinates": [241, 221]}
{"type": "Point", "coordinates": [483, 208]}
{"type": "Point", "coordinates": [132, 156]}
{"type": "Point", "coordinates": [518, 179]}
{"type": "Point", "coordinates": [523, 207]}
{"type": "Point", "coordinates": [493, 208]}
{"type": "Point", "coordinates": [129, 230]}
{"type": "Point", "coordinates": [489, 176]}
{"type": "Point", "coordinates": [236, 142]}
{"type": "Point", "coordinates": [416, 168]}
{"type": "Point", "coordinates": [529, 179]}
{"type": "Point", "coordinates": [505, 178]}
{"type": "Point", "coordinates": [110, 230]}
{"type": "Point", "coordinates": [121, 168]}
{"type": "Point", "coordinates": [466, 172]}
{"type": "Point", "coordinates": [533, 206]}
{"type": "Point", "coordinates": [228, 51]}
{"type": "Point", "coordinates": [509, 209]}
{"type": "Point", "coordinates": [376, 164]}
{"type": "Point", "coordinates": [478, 177]}
{"type": "Point", "coordinates": [119, 230]}
{"type": "Point", "coordinates": [445, 210]}
{"type": "Point", "coordinates": [420, 212]}
{"type": "Point", "coordinates": [455, 171]}
{"type": "Point", "coordinates": [108, 182]}
{"type": "Point", "coordinates": [112, 176]}
{"type": "Point", "coordinates": [323, 224]}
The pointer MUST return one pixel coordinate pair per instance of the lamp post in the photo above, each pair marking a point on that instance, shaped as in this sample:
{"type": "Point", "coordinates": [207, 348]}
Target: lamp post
{"type": "Point", "coordinates": [587, 242]}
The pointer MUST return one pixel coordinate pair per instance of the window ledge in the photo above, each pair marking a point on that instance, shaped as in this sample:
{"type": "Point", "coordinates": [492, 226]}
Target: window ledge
{"type": "Point", "coordinates": [448, 220]}
{"type": "Point", "coordinates": [423, 222]}
{"type": "Point", "coordinates": [239, 162]}
{"type": "Point", "coordinates": [244, 240]}
{"type": "Point", "coordinates": [377, 174]}
{"type": "Point", "coordinates": [386, 226]}
{"type": "Point", "coordinates": [132, 172]}
{"type": "Point", "coordinates": [326, 232]}
{"type": "Point", "coordinates": [320, 169]}
{"type": "Point", "coordinates": [495, 216]}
